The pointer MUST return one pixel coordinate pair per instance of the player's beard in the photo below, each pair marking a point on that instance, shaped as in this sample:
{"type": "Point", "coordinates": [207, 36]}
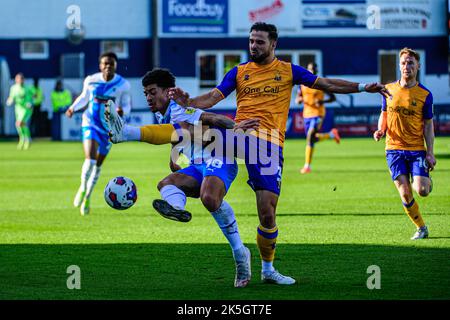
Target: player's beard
{"type": "Point", "coordinates": [259, 58]}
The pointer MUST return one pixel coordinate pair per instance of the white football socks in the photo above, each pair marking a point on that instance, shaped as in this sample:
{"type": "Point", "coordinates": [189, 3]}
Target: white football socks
{"type": "Point", "coordinates": [131, 133]}
{"type": "Point", "coordinates": [267, 266]}
{"type": "Point", "coordinates": [86, 170]}
{"type": "Point", "coordinates": [226, 220]}
{"type": "Point", "coordinates": [174, 196]}
{"type": "Point", "coordinates": [92, 180]}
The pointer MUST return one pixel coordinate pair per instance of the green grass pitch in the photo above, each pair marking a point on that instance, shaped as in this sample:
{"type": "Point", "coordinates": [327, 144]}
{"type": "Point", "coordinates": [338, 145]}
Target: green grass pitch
{"type": "Point", "coordinates": [333, 225]}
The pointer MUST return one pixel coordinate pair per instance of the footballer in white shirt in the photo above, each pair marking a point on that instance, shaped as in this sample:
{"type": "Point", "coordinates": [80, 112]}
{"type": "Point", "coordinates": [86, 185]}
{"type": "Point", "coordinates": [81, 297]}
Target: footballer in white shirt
{"type": "Point", "coordinates": [97, 90]}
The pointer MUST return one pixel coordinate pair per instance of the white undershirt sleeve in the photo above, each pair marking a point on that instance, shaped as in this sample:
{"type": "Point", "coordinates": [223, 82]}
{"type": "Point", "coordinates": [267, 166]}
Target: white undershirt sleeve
{"type": "Point", "coordinates": [83, 99]}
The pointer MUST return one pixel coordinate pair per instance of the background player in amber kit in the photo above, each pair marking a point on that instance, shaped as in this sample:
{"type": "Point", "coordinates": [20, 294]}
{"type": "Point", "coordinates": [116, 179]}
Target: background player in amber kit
{"type": "Point", "coordinates": [263, 90]}
{"type": "Point", "coordinates": [313, 114]}
{"type": "Point", "coordinates": [407, 119]}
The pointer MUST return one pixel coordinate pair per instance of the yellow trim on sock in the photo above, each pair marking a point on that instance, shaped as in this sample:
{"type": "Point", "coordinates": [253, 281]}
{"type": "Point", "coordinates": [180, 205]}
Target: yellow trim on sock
{"type": "Point", "coordinates": [274, 229]}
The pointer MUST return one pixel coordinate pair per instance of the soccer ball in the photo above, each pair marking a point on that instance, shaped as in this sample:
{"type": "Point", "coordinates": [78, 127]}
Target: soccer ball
{"type": "Point", "coordinates": [120, 193]}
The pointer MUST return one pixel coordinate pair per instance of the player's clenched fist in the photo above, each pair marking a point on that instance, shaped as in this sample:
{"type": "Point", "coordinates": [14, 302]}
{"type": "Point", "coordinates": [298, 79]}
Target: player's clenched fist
{"type": "Point", "coordinates": [377, 135]}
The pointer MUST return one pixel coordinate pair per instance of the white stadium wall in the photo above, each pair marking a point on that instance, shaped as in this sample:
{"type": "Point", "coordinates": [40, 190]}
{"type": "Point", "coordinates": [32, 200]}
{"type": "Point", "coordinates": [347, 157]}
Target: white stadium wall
{"type": "Point", "coordinates": [48, 18]}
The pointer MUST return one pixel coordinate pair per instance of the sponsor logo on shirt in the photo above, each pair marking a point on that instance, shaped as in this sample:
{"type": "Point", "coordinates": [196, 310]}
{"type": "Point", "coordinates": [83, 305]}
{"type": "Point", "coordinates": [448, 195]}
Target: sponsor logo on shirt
{"type": "Point", "coordinates": [266, 89]}
{"type": "Point", "coordinates": [403, 111]}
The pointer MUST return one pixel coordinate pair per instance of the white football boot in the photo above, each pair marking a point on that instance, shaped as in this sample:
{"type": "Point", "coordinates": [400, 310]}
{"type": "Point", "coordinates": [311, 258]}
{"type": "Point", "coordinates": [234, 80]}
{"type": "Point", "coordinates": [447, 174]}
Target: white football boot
{"type": "Point", "coordinates": [79, 197]}
{"type": "Point", "coordinates": [243, 269]}
{"type": "Point", "coordinates": [421, 233]}
{"type": "Point", "coordinates": [85, 207]}
{"type": "Point", "coordinates": [115, 122]}
{"type": "Point", "coordinates": [276, 278]}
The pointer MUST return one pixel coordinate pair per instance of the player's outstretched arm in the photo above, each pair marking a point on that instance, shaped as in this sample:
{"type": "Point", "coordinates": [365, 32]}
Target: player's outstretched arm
{"type": "Point", "coordinates": [81, 102]}
{"type": "Point", "coordinates": [428, 132]}
{"type": "Point", "coordinates": [204, 101]}
{"type": "Point", "coordinates": [221, 121]}
{"type": "Point", "coordinates": [382, 126]}
{"type": "Point", "coordinates": [344, 86]}
{"type": "Point", "coordinates": [216, 120]}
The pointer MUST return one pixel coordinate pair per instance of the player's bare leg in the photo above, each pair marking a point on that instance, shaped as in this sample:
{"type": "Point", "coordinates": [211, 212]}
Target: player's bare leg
{"type": "Point", "coordinates": [411, 207]}
{"type": "Point", "coordinates": [404, 188]}
{"type": "Point", "coordinates": [422, 185]}
{"type": "Point", "coordinates": [266, 202]}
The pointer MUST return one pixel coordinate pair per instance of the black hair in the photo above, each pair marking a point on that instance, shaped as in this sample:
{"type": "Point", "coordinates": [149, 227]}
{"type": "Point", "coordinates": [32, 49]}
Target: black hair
{"type": "Point", "coordinates": [267, 27]}
{"type": "Point", "coordinates": [58, 82]}
{"type": "Point", "coordinates": [109, 55]}
{"type": "Point", "coordinates": [163, 78]}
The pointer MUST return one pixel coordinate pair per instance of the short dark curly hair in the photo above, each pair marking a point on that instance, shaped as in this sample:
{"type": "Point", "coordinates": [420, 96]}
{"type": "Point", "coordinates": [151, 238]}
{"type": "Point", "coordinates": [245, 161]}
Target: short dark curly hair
{"type": "Point", "coordinates": [271, 29]}
{"type": "Point", "coordinates": [163, 78]}
{"type": "Point", "coordinates": [109, 55]}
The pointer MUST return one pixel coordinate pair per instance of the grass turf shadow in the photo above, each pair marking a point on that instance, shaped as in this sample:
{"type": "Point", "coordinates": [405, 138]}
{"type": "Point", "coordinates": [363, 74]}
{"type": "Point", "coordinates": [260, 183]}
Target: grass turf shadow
{"type": "Point", "coordinates": [206, 272]}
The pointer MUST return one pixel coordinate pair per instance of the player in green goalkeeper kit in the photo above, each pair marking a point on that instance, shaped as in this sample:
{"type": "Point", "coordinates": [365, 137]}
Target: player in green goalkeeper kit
{"type": "Point", "coordinates": [22, 97]}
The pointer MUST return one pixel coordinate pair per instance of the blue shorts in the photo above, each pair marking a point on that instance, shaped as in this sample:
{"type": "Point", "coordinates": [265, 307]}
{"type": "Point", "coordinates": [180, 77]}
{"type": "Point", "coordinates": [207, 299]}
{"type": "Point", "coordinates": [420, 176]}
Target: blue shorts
{"type": "Point", "coordinates": [409, 163]}
{"type": "Point", "coordinates": [213, 167]}
{"type": "Point", "coordinates": [91, 133]}
{"type": "Point", "coordinates": [315, 122]}
{"type": "Point", "coordinates": [264, 173]}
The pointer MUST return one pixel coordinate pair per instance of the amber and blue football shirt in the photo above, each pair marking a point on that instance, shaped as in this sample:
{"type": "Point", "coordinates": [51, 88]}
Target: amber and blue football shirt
{"type": "Point", "coordinates": [311, 108]}
{"type": "Point", "coordinates": [264, 92]}
{"type": "Point", "coordinates": [406, 112]}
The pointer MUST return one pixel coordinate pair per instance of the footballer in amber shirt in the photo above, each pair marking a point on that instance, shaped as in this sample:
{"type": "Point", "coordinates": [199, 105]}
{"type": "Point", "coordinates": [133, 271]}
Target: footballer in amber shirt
{"type": "Point", "coordinates": [406, 111]}
{"type": "Point", "coordinates": [311, 107]}
{"type": "Point", "coordinates": [264, 92]}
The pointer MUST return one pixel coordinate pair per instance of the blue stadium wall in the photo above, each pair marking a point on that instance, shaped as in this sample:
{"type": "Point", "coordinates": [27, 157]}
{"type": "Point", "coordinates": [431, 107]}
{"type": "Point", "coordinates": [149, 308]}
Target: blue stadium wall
{"type": "Point", "coordinates": [139, 57]}
{"type": "Point", "coordinates": [341, 56]}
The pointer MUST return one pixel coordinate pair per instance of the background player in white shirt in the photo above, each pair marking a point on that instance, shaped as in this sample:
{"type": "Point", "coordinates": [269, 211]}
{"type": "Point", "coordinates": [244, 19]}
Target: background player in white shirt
{"type": "Point", "coordinates": [97, 90]}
